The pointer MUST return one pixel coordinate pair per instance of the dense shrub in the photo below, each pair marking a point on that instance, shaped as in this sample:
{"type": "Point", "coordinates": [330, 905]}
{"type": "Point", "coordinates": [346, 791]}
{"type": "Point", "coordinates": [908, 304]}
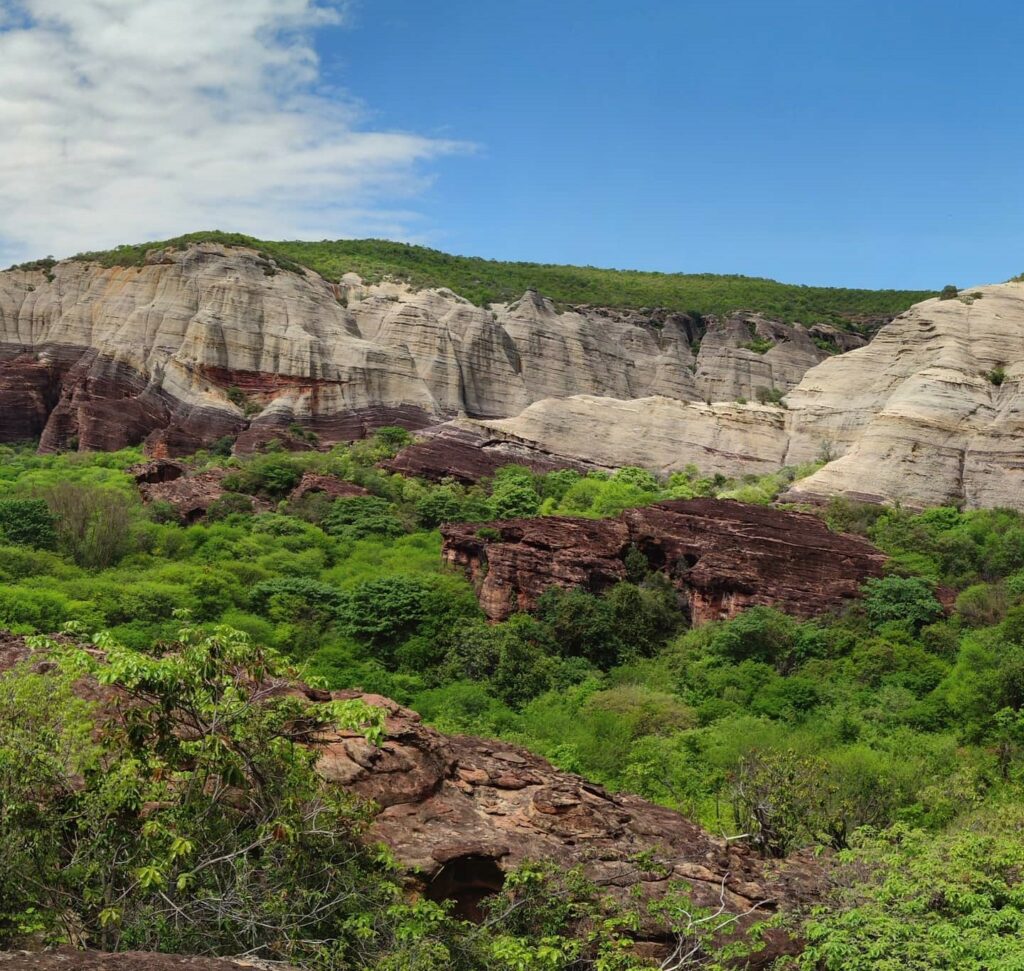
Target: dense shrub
{"type": "Point", "coordinates": [27, 522]}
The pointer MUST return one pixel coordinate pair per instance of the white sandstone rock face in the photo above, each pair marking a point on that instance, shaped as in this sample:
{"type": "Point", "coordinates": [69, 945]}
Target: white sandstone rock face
{"type": "Point", "coordinates": [929, 412]}
{"type": "Point", "coordinates": [169, 339]}
{"type": "Point", "coordinates": [661, 434]}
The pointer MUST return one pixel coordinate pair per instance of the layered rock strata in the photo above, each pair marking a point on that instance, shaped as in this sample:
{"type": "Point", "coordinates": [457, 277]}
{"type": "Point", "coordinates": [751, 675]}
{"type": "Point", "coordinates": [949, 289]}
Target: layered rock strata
{"type": "Point", "coordinates": [722, 556]}
{"type": "Point", "coordinates": [930, 413]}
{"type": "Point", "coordinates": [210, 342]}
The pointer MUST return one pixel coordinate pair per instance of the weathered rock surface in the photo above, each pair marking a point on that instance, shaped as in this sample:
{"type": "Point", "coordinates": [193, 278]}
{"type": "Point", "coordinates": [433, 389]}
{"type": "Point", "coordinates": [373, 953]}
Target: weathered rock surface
{"type": "Point", "coordinates": [660, 434]}
{"type": "Point", "coordinates": [329, 485]}
{"type": "Point", "coordinates": [459, 812]}
{"type": "Point", "coordinates": [191, 494]}
{"type": "Point", "coordinates": [722, 556]}
{"type": "Point", "coordinates": [461, 450]}
{"type": "Point", "coordinates": [930, 412]}
{"type": "Point", "coordinates": [99, 358]}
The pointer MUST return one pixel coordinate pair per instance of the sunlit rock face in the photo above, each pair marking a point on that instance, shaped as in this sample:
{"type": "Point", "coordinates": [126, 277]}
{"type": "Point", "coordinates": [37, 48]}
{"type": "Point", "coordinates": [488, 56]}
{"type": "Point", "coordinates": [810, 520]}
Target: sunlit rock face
{"type": "Point", "coordinates": [930, 412]}
{"type": "Point", "coordinates": [208, 341]}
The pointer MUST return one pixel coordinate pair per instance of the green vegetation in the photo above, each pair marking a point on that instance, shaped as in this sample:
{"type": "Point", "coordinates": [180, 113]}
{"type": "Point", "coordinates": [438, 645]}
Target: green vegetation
{"type": "Point", "coordinates": [759, 345]}
{"type": "Point", "coordinates": [493, 281]}
{"type": "Point", "coordinates": [893, 735]}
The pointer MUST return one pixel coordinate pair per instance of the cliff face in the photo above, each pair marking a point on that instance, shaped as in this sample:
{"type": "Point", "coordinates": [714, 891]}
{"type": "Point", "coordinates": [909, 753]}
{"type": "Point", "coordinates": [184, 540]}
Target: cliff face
{"type": "Point", "coordinates": [210, 341]}
{"type": "Point", "coordinates": [931, 412]}
{"type": "Point", "coordinates": [722, 556]}
{"type": "Point", "coordinates": [99, 358]}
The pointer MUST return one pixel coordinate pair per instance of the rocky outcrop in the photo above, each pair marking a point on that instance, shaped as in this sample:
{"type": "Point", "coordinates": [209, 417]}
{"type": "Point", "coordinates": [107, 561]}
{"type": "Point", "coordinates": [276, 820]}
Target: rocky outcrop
{"type": "Point", "coordinates": [722, 556]}
{"type": "Point", "coordinates": [460, 812]}
{"type": "Point", "coordinates": [930, 413]}
{"type": "Point", "coordinates": [328, 485]}
{"type": "Point", "coordinates": [660, 434]}
{"type": "Point", "coordinates": [211, 342]}
{"type": "Point", "coordinates": [461, 451]}
{"type": "Point", "coordinates": [190, 495]}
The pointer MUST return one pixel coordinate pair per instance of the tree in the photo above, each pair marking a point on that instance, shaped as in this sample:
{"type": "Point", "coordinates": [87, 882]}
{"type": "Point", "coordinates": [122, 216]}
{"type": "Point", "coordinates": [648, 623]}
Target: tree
{"type": "Point", "coordinates": [186, 814]}
{"type": "Point", "coordinates": [909, 600]}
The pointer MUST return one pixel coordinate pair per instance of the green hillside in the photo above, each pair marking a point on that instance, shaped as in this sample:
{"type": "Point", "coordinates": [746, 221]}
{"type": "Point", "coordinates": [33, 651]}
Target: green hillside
{"type": "Point", "coordinates": [493, 281]}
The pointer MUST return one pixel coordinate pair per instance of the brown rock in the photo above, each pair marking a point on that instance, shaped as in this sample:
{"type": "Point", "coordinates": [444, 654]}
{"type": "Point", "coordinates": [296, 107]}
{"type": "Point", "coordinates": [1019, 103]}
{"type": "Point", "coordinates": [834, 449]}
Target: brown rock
{"type": "Point", "coordinates": [723, 556]}
{"type": "Point", "coordinates": [453, 451]}
{"type": "Point", "coordinates": [190, 495]}
{"type": "Point", "coordinates": [511, 572]}
{"type": "Point", "coordinates": [328, 485]}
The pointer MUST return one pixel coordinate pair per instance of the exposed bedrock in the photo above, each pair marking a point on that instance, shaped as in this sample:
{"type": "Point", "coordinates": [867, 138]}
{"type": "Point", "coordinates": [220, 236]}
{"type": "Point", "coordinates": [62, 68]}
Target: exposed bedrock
{"type": "Point", "coordinates": [459, 812]}
{"type": "Point", "coordinates": [722, 556]}
{"type": "Point", "coordinates": [207, 342]}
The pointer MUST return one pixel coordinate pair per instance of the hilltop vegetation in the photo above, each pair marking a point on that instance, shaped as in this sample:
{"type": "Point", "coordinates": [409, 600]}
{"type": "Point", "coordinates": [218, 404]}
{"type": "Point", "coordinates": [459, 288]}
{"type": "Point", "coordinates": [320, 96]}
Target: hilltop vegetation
{"type": "Point", "coordinates": [494, 281]}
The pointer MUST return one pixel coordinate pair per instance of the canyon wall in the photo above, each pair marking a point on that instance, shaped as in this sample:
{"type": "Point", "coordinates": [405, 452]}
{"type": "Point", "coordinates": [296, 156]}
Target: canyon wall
{"type": "Point", "coordinates": [209, 342]}
{"type": "Point", "coordinates": [206, 342]}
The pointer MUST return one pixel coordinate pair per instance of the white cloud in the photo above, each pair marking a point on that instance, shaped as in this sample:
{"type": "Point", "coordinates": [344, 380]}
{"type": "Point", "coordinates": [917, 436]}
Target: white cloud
{"type": "Point", "coordinates": [122, 120]}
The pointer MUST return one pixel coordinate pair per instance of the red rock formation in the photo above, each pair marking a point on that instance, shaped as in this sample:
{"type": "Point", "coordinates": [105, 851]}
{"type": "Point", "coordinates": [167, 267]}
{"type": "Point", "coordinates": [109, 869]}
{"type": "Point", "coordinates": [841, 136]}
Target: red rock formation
{"type": "Point", "coordinates": [190, 495]}
{"type": "Point", "coordinates": [157, 470]}
{"type": "Point", "coordinates": [724, 556]}
{"type": "Point", "coordinates": [459, 812]}
{"type": "Point", "coordinates": [510, 572]}
{"type": "Point", "coordinates": [464, 454]}
{"type": "Point", "coordinates": [329, 485]}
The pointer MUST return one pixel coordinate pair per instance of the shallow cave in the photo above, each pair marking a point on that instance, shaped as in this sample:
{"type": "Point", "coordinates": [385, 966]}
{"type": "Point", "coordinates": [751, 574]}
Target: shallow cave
{"type": "Point", "coordinates": [467, 881]}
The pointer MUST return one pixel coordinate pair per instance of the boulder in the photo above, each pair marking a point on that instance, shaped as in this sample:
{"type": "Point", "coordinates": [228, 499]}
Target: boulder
{"type": "Point", "coordinates": [329, 485]}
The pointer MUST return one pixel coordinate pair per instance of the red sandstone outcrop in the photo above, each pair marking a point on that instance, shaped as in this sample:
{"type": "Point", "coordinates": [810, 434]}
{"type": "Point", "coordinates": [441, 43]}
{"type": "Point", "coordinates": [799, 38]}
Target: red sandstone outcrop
{"type": "Point", "coordinates": [455, 451]}
{"type": "Point", "coordinates": [459, 812]}
{"type": "Point", "coordinates": [723, 556]}
{"type": "Point", "coordinates": [190, 495]}
{"type": "Point", "coordinates": [329, 485]}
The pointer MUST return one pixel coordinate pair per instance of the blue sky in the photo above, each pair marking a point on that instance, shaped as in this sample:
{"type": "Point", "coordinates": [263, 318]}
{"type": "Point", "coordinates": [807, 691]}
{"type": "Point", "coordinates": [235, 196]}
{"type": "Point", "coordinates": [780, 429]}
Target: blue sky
{"type": "Point", "coordinates": [870, 143]}
{"type": "Point", "coordinates": [860, 144]}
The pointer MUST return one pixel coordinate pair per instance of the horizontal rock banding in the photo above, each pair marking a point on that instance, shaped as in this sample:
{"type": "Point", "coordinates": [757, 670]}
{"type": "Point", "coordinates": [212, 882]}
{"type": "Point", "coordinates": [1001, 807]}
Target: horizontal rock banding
{"type": "Point", "coordinates": [722, 556]}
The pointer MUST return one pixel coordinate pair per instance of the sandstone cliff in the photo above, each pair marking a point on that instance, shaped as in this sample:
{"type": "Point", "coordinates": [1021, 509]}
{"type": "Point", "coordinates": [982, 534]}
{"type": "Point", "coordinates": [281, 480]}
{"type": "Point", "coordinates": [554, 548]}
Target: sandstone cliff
{"type": "Point", "coordinates": [930, 412]}
{"type": "Point", "coordinates": [722, 556]}
{"type": "Point", "coordinates": [210, 341]}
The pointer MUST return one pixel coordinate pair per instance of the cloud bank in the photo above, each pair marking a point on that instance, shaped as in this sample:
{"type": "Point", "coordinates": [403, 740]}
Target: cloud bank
{"type": "Point", "coordinates": [123, 120]}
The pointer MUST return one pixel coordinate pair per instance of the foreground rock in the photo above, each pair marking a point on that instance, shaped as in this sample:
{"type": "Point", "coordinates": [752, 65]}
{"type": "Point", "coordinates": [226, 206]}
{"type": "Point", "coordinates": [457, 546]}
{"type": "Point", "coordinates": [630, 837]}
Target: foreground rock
{"type": "Point", "coordinates": [460, 812]}
{"type": "Point", "coordinates": [722, 556]}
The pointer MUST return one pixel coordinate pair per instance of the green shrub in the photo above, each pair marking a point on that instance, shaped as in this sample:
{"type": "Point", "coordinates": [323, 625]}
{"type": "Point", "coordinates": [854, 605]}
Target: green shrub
{"type": "Point", "coordinates": [27, 522]}
{"type": "Point", "coordinates": [908, 600]}
{"type": "Point", "coordinates": [362, 516]}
